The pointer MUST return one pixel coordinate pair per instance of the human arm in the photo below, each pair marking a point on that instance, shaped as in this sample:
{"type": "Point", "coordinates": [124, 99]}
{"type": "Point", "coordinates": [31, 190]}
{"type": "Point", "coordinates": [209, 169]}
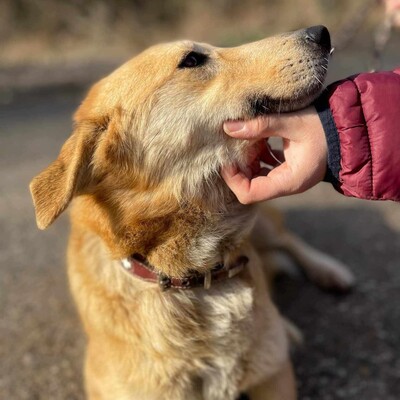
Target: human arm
{"type": "Point", "coordinates": [355, 143]}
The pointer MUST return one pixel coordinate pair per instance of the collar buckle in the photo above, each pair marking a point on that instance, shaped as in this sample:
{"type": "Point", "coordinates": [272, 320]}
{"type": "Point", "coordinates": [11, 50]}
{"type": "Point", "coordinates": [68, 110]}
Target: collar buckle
{"type": "Point", "coordinates": [164, 282]}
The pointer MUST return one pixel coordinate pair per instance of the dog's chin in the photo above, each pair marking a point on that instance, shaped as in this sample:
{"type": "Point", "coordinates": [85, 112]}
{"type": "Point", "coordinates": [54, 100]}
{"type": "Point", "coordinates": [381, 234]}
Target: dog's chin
{"type": "Point", "coordinates": [264, 105]}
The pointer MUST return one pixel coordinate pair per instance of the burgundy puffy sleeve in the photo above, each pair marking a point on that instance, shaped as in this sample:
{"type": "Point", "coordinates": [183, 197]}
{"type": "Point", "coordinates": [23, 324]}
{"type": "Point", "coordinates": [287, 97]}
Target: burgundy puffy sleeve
{"type": "Point", "coordinates": [361, 119]}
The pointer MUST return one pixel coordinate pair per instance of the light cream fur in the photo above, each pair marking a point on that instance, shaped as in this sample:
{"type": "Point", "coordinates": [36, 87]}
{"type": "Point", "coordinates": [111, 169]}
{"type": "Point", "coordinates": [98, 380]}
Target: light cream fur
{"type": "Point", "coordinates": [143, 169]}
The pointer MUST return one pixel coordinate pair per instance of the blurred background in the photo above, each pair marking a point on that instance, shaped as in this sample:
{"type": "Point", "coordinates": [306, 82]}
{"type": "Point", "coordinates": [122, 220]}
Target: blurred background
{"type": "Point", "coordinates": [51, 51]}
{"type": "Point", "coordinates": [46, 42]}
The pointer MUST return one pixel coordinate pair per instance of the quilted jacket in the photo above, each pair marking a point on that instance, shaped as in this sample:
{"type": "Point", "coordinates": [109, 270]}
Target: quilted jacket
{"type": "Point", "coordinates": [361, 119]}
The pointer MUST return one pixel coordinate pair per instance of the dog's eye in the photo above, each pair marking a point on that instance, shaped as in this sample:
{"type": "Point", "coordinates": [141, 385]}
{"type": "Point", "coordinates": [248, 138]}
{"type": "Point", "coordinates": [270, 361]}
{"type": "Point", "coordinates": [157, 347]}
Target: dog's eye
{"type": "Point", "coordinates": [192, 60]}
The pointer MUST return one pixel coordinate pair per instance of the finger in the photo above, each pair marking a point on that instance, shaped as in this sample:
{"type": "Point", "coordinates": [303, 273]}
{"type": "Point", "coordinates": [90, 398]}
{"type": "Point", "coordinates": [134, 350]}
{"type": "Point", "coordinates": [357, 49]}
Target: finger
{"type": "Point", "coordinates": [279, 125]}
{"type": "Point", "coordinates": [276, 183]}
{"type": "Point", "coordinates": [253, 129]}
{"type": "Point", "coordinates": [236, 180]}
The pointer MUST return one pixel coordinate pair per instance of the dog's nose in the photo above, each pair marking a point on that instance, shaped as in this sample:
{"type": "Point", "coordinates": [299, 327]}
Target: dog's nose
{"type": "Point", "coordinates": [320, 35]}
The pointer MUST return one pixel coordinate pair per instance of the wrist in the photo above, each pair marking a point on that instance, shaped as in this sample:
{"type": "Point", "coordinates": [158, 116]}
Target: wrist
{"type": "Point", "coordinates": [331, 137]}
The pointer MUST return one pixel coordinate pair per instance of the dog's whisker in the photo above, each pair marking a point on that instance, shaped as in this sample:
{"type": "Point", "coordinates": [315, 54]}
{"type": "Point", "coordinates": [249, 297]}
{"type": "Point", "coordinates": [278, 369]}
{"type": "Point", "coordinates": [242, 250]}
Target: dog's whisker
{"type": "Point", "coordinates": [280, 105]}
{"type": "Point", "coordinates": [316, 77]}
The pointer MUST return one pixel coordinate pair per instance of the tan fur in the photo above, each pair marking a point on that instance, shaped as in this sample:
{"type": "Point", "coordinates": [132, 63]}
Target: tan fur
{"type": "Point", "coordinates": [143, 168]}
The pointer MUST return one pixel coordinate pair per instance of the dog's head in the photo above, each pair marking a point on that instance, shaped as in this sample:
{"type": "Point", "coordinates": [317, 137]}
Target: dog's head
{"type": "Point", "coordinates": [154, 126]}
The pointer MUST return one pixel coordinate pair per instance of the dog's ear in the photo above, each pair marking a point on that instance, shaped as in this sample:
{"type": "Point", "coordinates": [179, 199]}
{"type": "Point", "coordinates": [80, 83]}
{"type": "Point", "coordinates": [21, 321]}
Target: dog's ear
{"type": "Point", "coordinates": [53, 189]}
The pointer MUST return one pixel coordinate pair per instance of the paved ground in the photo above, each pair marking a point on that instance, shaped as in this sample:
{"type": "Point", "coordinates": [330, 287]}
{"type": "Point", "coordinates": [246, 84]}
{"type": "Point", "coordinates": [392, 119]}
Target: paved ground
{"type": "Point", "coordinates": [352, 347]}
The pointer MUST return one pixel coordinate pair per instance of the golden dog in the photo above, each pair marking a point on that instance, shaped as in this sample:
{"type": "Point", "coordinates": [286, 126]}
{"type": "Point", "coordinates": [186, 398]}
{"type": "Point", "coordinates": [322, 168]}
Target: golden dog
{"type": "Point", "coordinates": [142, 166]}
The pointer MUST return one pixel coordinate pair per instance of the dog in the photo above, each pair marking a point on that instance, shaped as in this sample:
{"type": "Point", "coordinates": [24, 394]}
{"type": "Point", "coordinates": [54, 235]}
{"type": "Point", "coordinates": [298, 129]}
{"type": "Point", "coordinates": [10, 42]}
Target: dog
{"type": "Point", "coordinates": [167, 268]}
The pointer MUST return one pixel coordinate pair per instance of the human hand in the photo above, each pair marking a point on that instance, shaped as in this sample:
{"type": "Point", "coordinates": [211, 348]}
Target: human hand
{"type": "Point", "coordinates": [305, 152]}
{"type": "Point", "coordinates": [392, 10]}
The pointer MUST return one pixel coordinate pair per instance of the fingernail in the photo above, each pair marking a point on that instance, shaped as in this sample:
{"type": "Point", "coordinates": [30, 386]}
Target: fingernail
{"type": "Point", "coordinates": [234, 126]}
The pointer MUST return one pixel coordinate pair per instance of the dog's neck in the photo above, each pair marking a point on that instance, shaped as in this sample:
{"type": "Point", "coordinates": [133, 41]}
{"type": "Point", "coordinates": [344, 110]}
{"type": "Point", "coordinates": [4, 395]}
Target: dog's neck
{"type": "Point", "coordinates": [181, 237]}
{"type": "Point", "coordinates": [198, 239]}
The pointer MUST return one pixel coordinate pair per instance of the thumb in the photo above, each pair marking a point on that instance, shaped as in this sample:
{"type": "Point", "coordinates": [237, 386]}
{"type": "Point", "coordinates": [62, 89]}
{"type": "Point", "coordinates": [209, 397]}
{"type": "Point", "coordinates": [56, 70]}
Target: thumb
{"type": "Point", "coordinates": [256, 128]}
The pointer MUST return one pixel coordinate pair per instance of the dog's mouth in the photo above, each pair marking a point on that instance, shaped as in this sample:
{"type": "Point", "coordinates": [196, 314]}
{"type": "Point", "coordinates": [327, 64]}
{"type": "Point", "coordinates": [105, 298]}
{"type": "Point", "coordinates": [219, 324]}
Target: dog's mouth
{"type": "Point", "coordinates": [259, 105]}
{"type": "Point", "coordinates": [264, 105]}
{"type": "Point", "coordinates": [304, 77]}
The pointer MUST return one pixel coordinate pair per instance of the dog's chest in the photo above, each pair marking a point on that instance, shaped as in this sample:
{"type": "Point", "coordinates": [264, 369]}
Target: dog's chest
{"type": "Point", "coordinates": [229, 319]}
{"type": "Point", "coordinates": [199, 340]}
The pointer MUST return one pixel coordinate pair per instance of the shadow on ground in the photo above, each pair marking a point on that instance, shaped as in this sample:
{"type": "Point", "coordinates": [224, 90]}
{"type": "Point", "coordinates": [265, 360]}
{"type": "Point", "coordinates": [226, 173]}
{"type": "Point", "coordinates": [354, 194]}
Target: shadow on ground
{"type": "Point", "coordinates": [352, 342]}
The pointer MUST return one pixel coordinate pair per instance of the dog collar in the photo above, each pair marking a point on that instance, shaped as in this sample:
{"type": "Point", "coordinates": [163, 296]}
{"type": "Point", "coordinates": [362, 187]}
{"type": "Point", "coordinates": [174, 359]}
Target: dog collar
{"type": "Point", "coordinates": [139, 267]}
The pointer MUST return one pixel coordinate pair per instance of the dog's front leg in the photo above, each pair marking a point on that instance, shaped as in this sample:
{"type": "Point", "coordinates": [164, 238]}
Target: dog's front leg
{"type": "Point", "coordinates": [94, 382]}
{"type": "Point", "coordinates": [281, 386]}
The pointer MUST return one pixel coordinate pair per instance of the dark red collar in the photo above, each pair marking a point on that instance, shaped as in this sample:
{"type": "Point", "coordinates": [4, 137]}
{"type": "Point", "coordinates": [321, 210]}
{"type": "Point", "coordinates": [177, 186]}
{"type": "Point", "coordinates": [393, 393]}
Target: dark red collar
{"type": "Point", "coordinates": [140, 268]}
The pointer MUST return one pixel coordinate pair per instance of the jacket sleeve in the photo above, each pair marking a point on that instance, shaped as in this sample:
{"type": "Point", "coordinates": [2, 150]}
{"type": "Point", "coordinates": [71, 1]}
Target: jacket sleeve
{"type": "Point", "coordinates": [361, 119]}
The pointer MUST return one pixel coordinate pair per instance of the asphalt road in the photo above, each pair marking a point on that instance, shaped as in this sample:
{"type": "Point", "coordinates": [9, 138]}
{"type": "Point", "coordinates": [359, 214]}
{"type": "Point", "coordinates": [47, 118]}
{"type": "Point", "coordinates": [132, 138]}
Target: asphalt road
{"type": "Point", "coordinates": [352, 342]}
